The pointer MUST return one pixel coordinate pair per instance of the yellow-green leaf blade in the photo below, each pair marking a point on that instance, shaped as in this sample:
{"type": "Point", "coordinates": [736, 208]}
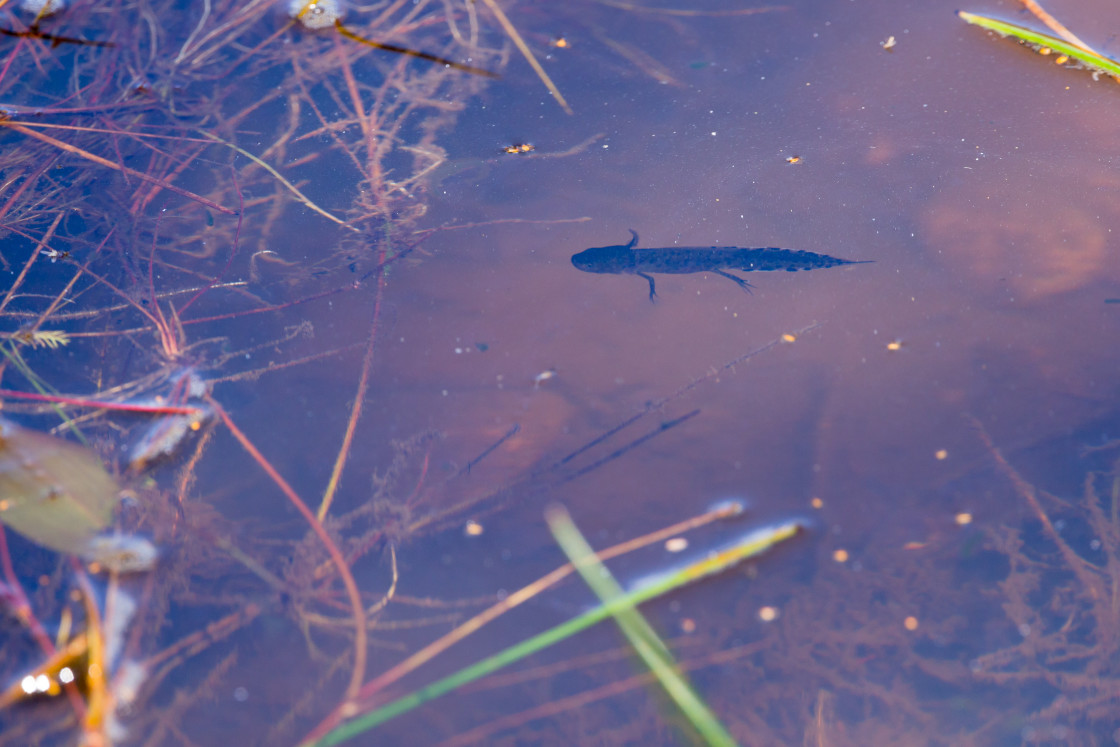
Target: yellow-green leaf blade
{"type": "Point", "coordinates": [1030, 36]}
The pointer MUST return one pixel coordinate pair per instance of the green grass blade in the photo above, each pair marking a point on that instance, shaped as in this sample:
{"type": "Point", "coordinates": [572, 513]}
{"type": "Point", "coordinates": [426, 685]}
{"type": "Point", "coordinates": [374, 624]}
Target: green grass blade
{"type": "Point", "coordinates": [1029, 36]}
{"type": "Point", "coordinates": [641, 635]}
{"type": "Point", "coordinates": [754, 543]}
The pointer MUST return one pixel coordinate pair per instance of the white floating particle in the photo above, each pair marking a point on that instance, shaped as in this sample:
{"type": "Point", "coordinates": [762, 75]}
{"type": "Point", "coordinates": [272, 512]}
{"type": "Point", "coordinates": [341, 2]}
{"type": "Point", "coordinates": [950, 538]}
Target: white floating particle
{"type": "Point", "coordinates": [43, 8]}
{"type": "Point", "coordinates": [317, 14]}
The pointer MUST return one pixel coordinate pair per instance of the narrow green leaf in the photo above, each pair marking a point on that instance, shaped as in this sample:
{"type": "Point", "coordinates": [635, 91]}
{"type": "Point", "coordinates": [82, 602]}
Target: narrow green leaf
{"type": "Point", "coordinates": [754, 543]}
{"type": "Point", "coordinates": [1036, 38]}
{"type": "Point", "coordinates": [641, 635]}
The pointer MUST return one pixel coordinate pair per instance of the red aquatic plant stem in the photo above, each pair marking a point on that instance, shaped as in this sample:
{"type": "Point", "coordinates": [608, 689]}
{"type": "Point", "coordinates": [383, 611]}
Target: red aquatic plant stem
{"type": "Point", "coordinates": [168, 341]}
{"type": "Point", "coordinates": [11, 59]}
{"type": "Point", "coordinates": [143, 200]}
{"type": "Point", "coordinates": [356, 607]}
{"type": "Point", "coordinates": [1080, 567]}
{"type": "Point", "coordinates": [118, 406]}
{"type": "Point", "coordinates": [115, 140]}
{"type": "Point", "coordinates": [22, 608]}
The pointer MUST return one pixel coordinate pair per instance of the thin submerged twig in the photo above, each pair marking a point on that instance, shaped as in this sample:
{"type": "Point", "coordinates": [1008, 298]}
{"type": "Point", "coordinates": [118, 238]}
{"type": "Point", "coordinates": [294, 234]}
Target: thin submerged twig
{"type": "Point", "coordinates": [1055, 25]}
{"type": "Point", "coordinates": [280, 178]}
{"type": "Point", "coordinates": [359, 397]}
{"type": "Point", "coordinates": [527, 53]}
{"type": "Point", "coordinates": [412, 52]}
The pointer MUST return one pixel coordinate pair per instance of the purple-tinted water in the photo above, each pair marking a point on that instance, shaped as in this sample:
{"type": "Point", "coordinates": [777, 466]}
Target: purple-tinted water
{"type": "Point", "coordinates": [976, 175]}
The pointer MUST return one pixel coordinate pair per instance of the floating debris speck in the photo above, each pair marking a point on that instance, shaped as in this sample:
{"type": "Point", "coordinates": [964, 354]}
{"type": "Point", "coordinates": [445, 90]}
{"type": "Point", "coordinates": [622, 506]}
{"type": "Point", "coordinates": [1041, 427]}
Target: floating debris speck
{"type": "Point", "coordinates": [317, 14]}
{"type": "Point", "coordinates": [43, 8]}
{"type": "Point", "coordinates": [543, 376]}
{"type": "Point", "coordinates": [165, 435]}
{"type": "Point", "coordinates": [120, 553]}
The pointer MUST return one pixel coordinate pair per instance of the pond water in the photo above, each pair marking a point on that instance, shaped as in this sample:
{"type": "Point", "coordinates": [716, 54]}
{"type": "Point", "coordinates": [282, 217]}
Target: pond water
{"type": "Point", "coordinates": [942, 418]}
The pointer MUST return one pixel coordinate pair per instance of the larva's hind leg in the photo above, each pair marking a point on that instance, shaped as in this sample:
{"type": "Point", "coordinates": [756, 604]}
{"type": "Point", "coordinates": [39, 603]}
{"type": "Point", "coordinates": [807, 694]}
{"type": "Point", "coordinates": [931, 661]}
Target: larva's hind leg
{"type": "Point", "coordinates": [737, 280]}
{"type": "Point", "coordinates": [652, 291]}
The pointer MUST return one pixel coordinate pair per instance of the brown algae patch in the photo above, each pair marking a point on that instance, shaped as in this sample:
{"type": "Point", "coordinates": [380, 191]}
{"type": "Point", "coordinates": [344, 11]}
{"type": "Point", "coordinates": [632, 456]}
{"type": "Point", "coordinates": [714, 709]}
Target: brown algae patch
{"type": "Point", "coordinates": [1033, 247]}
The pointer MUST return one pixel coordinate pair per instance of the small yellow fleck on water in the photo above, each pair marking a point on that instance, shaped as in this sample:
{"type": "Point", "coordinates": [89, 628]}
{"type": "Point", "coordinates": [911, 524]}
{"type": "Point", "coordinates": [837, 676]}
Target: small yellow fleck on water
{"type": "Point", "coordinates": [1061, 59]}
{"type": "Point", "coordinates": [964, 518]}
{"type": "Point", "coordinates": [676, 544]}
{"type": "Point", "coordinates": [915, 545]}
{"type": "Point", "coordinates": [894, 345]}
{"type": "Point", "coordinates": [816, 503]}
{"type": "Point", "coordinates": [793, 159]}
{"type": "Point", "coordinates": [1044, 51]}
{"type": "Point", "coordinates": [911, 623]}
{"type": "Point", "coordinates": [688, 625]}
{"type": "Point", "coordinates": [889, 44]}
{"type": "Point", "coordinates": [472, 528]}
{"type": "Point", "coordinates": [5, 505]}
{"type": "Point", "coordinates": [196, 424]}
{"type": "Point", "coordinates": [840, 556]}
{"type": "Point", "coordinates": [941, 455]}
{"type": "Point", "coordinates": [768, 614]}
{"type": "Point", "coordinates": [787, 337]}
